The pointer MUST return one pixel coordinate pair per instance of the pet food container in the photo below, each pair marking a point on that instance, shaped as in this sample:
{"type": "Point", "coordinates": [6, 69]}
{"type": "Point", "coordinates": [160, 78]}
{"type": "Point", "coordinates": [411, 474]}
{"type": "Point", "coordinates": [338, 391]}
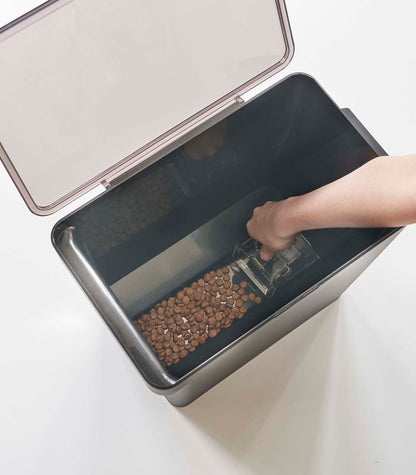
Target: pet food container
{"type": "Point", "coordinates": [155, 105]}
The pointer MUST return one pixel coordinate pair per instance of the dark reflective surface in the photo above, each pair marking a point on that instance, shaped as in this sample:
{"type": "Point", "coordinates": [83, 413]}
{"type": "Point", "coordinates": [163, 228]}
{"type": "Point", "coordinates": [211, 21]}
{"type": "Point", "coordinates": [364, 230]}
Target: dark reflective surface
{"type": "Point", "coordinates": [289, 141]}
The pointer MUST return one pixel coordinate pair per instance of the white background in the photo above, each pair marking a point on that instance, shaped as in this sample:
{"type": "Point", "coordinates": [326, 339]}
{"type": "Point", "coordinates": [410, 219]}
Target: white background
{"type": "Point", "coordinates": [335, 397]}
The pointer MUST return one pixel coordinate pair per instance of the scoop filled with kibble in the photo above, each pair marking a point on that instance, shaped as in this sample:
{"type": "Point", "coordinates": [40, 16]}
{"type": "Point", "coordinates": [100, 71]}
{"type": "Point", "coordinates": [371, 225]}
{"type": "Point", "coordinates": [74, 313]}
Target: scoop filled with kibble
{"type": "Point", "coordinates": [178, 325]}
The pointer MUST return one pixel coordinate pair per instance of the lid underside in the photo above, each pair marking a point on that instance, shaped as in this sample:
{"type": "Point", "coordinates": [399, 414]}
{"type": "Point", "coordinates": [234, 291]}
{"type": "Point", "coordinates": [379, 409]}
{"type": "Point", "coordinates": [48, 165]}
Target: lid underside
{"type": "Point", "coordinates": [87, 83]}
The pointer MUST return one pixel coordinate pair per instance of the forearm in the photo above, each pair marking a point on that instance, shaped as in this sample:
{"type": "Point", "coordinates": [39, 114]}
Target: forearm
{"type": "Point", "coordinates": [380, 193]}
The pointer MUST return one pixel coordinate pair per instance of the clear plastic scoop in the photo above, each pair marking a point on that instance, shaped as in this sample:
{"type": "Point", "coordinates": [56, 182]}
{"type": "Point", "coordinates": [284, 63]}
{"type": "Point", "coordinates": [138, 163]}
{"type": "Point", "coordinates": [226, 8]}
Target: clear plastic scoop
{"type": "Point", "coordinates": [266, 275]}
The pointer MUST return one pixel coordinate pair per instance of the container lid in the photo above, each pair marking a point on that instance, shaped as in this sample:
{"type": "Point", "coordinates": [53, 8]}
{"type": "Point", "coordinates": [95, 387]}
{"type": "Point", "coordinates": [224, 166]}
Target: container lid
{"type": "Point", "coordinates": [87, 86]}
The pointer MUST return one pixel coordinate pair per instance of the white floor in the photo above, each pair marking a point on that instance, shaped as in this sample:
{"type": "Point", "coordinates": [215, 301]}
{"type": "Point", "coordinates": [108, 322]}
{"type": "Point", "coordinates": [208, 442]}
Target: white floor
{"type": "Point", "coordinates": [335, 397]}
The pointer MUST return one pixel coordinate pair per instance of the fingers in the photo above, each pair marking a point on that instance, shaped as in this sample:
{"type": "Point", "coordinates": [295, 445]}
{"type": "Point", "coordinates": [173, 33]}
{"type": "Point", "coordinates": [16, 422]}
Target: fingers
{"type": "Point", "coordinates": [249, 227]}
{"type": "Point", "coordinates": [266, 253]}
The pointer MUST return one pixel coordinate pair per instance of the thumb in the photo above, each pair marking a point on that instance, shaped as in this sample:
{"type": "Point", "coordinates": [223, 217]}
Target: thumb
{"type": "Point", "coordinates": [266, 253]}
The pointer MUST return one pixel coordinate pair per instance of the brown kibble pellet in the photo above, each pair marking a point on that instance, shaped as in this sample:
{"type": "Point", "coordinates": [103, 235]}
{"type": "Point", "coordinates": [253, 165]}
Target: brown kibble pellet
{"type": "Point", "coordinates": [226, 270]}
{"type": "Point", "coordinates": [239, 303]}
{"type": "Point", "coordinates": [186, 300]}
{"type": "Point", "coordinates": [241, 291]}
{"type": "Point", "coordinates": [244, 298]}
{"type": "Point", "coordinates": [180, 295]}
{"type": "Point", "coordinates": [219, 272]}
{"type": "Point", "coordinates": [213, 333]}
{"type": "Point", "coordinates": [183, 353]}
{"type": "Point", "coordinates": [194, 343]}
{"type": "Point", "coordinates": [201, 282]}
{"type": "Point", "coordinates": [257, 300]}
{"type": "Point", "coordinates": [219, 316]}
{"type": "Point", "coordinates": [160, 311]}
{"type": "Point", "coordinates": [227, 285]}
{"type": "Point", "coordinates": [251, 297]}
{"type": "Point", "coordinates": [206, 277]}
{"type": "Point", "coordinates": [235, 287]}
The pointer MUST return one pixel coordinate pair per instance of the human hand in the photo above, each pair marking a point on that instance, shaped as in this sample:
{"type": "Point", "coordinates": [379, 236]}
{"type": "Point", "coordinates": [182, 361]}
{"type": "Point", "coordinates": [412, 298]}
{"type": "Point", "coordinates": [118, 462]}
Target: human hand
{"type": "Point", "coordinates": [270, 225]}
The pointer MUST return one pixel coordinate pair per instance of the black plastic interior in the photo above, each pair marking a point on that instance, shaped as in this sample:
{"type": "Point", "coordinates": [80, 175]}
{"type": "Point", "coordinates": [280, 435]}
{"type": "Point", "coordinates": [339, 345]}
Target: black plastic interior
{"type": "Point", "coordinates": [293, 139]}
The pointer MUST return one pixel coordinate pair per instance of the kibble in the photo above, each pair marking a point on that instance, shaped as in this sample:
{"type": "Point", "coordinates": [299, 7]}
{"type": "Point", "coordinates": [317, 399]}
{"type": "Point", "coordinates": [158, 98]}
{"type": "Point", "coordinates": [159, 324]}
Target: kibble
{"type": "Point", "coordinates": [176, 326]}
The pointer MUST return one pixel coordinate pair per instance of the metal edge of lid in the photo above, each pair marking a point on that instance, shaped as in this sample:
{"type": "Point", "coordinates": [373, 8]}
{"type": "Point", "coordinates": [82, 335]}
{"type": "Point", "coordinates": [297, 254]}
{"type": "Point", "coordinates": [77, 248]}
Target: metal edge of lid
{"type": "Point", "coordinates": [147, 151]}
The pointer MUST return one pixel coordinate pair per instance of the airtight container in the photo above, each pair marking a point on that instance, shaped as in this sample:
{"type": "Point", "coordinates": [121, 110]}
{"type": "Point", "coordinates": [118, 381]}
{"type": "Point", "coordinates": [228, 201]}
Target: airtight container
{"type": "Point", "coordinates": [156, 107]}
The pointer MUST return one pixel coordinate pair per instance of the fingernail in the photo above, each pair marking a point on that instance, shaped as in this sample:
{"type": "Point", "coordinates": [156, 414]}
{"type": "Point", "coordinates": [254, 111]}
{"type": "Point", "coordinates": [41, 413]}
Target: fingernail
{"type": "Point", "coordinates": [266, 256]}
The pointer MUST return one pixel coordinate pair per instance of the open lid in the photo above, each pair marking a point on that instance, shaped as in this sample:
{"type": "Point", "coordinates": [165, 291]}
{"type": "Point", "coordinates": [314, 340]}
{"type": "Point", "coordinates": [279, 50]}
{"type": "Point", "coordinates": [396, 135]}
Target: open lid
{"type": "Point", "coordinates": [87, 86]}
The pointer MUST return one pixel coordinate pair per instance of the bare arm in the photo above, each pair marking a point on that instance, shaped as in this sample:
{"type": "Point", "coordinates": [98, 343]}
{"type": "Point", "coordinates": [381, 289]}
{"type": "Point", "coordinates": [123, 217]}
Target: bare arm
{"type": "Point", "coordinates": [380, 193]}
